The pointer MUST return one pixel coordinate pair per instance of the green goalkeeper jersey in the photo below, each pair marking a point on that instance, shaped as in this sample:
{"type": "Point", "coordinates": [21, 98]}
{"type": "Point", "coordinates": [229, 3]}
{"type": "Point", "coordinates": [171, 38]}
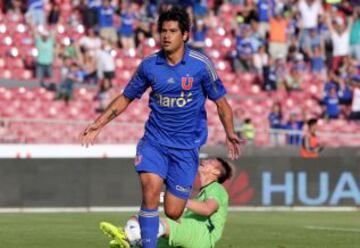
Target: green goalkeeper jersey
{"type": "Point", "coordinates": [216, 222]}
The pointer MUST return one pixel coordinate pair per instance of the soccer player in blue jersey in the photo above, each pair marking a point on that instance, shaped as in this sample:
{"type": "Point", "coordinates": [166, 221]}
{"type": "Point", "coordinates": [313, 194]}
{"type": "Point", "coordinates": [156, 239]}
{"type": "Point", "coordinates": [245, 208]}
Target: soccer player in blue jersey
{"type": "Point", "coordinates": [180, 80]}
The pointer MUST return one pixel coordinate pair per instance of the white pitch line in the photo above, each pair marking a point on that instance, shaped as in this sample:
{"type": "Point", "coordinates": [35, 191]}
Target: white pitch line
{"type": "Point", "coordinates": [323, 228]}
{"type": "Point", "coordinates": [85, 209]}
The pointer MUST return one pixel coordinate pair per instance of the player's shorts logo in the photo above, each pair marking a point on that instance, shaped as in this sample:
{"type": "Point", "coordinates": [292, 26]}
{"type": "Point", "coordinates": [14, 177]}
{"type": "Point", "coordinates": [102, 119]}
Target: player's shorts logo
{"type": "Point", "coordinates": [182, 189]}
{"type": "Point", "coordinates": [138, 159]}
{"type": "Point", "coordinates": [187, 82]}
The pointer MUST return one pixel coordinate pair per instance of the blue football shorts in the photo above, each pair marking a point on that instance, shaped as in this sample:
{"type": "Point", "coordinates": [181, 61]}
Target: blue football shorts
{"type": "Point", "coordinates": [178, 167]}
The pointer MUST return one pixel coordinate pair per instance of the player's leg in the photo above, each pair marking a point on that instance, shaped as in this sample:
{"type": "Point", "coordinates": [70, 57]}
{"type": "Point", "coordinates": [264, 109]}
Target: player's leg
{"type": "Point", "coordinates": [151, 185]}
{"type": "Point", "coordinates": [151, 164]}
{"type": "Point", "coordinates": [182, 171]}
{"type": "Point", "coordinates": [174, 205]}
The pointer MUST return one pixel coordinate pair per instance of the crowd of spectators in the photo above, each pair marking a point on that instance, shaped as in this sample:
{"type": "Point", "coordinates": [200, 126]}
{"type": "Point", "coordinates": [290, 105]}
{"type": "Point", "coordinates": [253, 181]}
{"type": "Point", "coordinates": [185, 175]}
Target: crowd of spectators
{"type": "Point", "coordinates": [278, 41]}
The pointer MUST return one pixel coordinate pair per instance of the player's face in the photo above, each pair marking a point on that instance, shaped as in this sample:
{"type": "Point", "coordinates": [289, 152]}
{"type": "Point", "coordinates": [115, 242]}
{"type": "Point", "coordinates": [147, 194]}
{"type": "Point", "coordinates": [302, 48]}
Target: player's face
{"type": "Point", "coordinates": [171, 38]}
{"type": "Point", "coordinates": [209, 166]}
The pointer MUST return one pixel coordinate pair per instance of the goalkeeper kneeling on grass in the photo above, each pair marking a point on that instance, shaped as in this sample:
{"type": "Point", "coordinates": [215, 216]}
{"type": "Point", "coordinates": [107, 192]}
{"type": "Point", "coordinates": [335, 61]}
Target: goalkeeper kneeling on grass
{"type": "Point", "coordinates": [201, 225]}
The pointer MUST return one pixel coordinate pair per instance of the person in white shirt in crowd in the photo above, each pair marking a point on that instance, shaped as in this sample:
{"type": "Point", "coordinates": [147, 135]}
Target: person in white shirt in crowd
{"type": "Point", "coordinates": [340, 38]}
{"type": "Point", "coordinates": [309, 10]}
{"type": "Point", "coordinates": [105, 72]}
{"type": "Point", "coordinates": [355, 107]}
{"type": "Point", "coordinates": [90, 42]}
{"type": "Point", "coordinates": [261, 60]}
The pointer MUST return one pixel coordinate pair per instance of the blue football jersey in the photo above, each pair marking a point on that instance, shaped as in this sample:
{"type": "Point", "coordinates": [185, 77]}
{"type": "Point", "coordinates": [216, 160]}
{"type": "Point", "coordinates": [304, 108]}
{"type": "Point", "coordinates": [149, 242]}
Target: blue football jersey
{"type": "Point", "coordinates": [177, 99]}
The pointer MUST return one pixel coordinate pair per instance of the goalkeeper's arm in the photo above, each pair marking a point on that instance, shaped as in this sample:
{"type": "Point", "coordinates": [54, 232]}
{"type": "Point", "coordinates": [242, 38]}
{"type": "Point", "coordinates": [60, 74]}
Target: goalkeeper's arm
{"type": "Point", "coordinates": [204, 208]}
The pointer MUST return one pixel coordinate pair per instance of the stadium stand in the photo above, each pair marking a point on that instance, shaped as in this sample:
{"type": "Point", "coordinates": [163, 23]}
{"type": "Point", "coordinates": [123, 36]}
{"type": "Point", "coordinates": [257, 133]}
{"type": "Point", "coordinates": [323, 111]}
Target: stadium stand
{"type": "Point", "coordinates": [30, 113]}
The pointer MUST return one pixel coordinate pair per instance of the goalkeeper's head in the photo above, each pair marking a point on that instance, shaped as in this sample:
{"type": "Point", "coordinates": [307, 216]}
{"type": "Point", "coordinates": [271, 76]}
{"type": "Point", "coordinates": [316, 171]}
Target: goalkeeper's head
{"type": "Point", "coordinates": [226, 170]}
{"type": "Point", "coordinates": [216, 169]}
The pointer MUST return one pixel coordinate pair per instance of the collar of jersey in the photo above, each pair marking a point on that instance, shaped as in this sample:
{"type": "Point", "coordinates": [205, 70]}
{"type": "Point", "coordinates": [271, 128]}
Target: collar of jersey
{"type": "Point", "coordinates": [205, 186]}
{"type": "Point", "coordinates": [161, 59]}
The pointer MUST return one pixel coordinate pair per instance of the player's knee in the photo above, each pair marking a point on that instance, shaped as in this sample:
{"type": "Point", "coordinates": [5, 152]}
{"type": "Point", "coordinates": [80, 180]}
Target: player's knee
{"type": "Point", "coordinates": [173, 213]}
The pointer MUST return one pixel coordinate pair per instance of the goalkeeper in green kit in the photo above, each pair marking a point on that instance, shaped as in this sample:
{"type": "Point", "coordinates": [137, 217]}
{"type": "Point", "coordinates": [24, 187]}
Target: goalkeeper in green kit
{"type": "Point", "coordinates": [201, 225]}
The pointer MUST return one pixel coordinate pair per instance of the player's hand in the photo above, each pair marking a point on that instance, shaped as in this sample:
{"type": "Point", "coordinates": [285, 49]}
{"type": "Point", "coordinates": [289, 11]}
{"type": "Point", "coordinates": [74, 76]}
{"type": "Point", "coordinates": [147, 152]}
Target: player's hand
{"type": "Point", "coordinates": [89, 134]}
{"type": "Point", "coordinates": [233, 145]}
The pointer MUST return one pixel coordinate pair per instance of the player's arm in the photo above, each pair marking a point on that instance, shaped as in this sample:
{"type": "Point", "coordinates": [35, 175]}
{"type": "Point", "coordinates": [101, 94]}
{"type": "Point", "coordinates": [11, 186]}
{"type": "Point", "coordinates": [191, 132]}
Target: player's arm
{"type": "Point", "coordinates": [226, 117]}
{"type": "Point", "coordinates": [115, 108]}
{"type": "Point", "coordinates": [204, 208]}
{"type": "Point", "coordinates": [135, 88]}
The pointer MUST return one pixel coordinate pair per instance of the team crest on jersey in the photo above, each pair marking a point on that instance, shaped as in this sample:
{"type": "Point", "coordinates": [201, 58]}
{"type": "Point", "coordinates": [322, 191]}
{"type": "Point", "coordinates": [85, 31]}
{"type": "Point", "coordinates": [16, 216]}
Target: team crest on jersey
{"type": "Point", "coordinates": [187, 82]}
{"type": "Point", "coordinates": [138, 159]}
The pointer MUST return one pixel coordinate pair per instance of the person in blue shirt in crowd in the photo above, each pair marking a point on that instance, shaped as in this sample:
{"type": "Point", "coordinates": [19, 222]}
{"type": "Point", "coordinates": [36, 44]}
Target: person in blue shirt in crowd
{"type": "Point", "coordinates": [88, 10]}
{"type": "Point", "coordinates": [332, 82]}
{"type": "Point", "coordinates": [265, 7]}
{"type": "Point", "coordinates": [105, 21]}
{"type": "Point", "coordinates": [294, 128]}
{"type": "Point", "coordinates": [199, 36]}
{"type": "Point", "coordinates": [126, 30]}
{"type": "Point", "coordinates": [181, 80]}
{"type": "Point", "coordinates": [275, 123]}
{"type": "Point", "coordinates": [245, 49]}
{"type": "Point", "coordinates": [331, 102]}
{"type": "Point", "coordinates": [317, 60]}
{"type": "Point", "coordinates": [200, 8]}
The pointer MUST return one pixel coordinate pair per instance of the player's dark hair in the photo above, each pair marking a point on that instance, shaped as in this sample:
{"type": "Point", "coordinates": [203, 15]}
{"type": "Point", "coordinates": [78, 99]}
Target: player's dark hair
{"type": "Point", "coordinates": [175, 14]}
{"type": "Point", "coordinates": [226, 171]}
{"type": "Point", "coordinates": [312, 122]}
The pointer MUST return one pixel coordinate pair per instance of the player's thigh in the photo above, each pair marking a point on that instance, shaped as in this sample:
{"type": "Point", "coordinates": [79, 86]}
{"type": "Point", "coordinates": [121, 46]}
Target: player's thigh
{"type": "Point", "coordinates": [189, 233]}
{"type": "Point", "coordinates": [151, 158]}
{"type": "Point", "coordinates": [183, 166]}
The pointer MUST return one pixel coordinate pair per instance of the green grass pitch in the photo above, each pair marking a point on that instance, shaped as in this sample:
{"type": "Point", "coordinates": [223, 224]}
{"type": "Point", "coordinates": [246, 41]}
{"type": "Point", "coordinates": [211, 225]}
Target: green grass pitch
{"type": "Point", "coordinates": [244, 229]}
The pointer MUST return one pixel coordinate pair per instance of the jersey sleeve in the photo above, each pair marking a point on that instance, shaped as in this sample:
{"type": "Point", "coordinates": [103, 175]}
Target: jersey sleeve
{"type": "Point", "coordinates": [137, 85]}
{"type": "Point", "coordinates": [212, 84]}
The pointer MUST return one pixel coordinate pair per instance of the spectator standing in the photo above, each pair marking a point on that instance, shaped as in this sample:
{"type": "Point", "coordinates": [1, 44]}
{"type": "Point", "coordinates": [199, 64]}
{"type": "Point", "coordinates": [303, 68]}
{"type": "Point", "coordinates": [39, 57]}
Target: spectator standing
{"type": "Point", "coordinates": [35, 14]}
{"type": "Point", "coordinates": [278, 41]}
{"type": "Point", "coordinates": [90, 42]}
{"type": "Point", "coordinates": [15, 12]}
{"type": "Point", "coordinates": [355, 107]}
{"type": "Point", "coordinates": [355, 35]}
{"type": "Point", "coordinates": [310, 10]}
{"type": "Point", "coordinates": [317, 61]}
{"type": "Point", "coordinates": [54, 14]}
{"type": "Point", "coordinates": [243, 61]}
{"type": "Point", "coordinates": [264, 8]}
{"type": "Point", "coordinates": [275, 123]}
{"type": "Point", "coordinates": [331, 102]}
{"type": "Point", "coordinates": [44, 42]}
{"type": "Point", "coordinates": [88, 11]}
{"type": "Point", "coordinates": [261, 61]}
{"type": "Point", "coordinates": [311, 41]}
{"type": "Point", "coordinates": [105, 73]}
{"type": "Point", "coordinates": [199, 36]}
{"type": "Point", "coordinates": [294, 128]}
{"type": "Point", "coordinates": [106, 23]}
{"type": "Point", "coordinates": [340, 38]}
{"type": "Point", "coordinates": [126, 30]}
